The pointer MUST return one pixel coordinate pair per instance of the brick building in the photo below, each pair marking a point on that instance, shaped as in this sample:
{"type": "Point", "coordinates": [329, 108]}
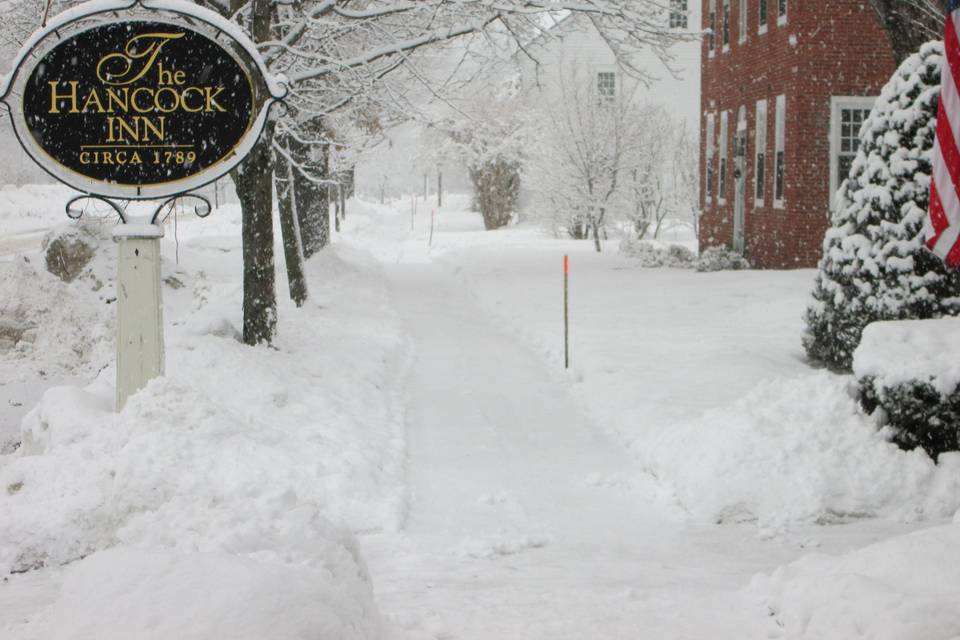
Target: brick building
{"type": "Point", "coordinates": [785, 87]}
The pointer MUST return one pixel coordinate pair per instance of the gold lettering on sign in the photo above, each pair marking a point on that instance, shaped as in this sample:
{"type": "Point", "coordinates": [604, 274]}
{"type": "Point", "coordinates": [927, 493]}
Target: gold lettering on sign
{"type": "Point", "coordinates": [136, 59]}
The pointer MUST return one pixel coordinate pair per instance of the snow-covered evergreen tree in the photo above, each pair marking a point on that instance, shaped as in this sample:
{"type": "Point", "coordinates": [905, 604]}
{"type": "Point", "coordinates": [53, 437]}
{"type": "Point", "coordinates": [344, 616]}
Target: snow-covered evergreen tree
{"type": "Point", "coordinates": [875, 266]}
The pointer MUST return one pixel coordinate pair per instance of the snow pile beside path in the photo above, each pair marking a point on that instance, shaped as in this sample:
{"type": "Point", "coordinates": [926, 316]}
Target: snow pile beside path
{"type": "Point", "coordinates": [54, 327]}
{"type": "Point", "coordinates": [124, 593]}
{"type": "Point", "coordinates": [905, 588]}
{"type": "Point", "coordinates": [241, 462]}
{"type": "Point", "coordinates": [797, 450]}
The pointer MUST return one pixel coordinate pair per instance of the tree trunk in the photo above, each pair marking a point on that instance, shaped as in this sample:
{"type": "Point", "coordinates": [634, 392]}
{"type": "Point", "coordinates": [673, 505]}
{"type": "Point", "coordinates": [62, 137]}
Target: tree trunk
{"type": "Point", "coordinates": [909, 24]}
{"type": "Point", "coordinates": [313, 210]}
{"type": "Point", "coordinates": [596, 234]}
{"type": "Point", "coordinates": [253, 180]}
{"type": "Point", "coordinates": [290, 230]}
{"type": "Point", "coordinates": [336, 209]}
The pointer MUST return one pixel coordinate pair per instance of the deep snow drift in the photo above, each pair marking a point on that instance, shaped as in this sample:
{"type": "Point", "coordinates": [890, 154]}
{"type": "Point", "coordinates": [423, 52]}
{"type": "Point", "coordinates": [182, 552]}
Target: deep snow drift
{"type": "Point", "coordinates": [415, 418]}
{"type": "Point", "coordinates": [222, 501]}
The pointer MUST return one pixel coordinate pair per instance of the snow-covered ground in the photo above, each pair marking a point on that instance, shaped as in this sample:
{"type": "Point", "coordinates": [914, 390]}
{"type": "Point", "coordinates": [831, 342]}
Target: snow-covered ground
{"type": "Point", "coordinates": [689, 477]}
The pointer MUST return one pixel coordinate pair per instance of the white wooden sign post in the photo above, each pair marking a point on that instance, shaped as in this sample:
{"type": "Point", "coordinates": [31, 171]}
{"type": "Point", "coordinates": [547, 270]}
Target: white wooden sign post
{"type": "Point", "coordinates": [140, 356]}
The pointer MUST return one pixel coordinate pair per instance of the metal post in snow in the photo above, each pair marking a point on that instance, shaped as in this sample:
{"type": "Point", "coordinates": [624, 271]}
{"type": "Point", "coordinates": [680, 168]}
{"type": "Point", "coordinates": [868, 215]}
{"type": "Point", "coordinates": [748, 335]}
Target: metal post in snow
{"type": "Point", "coordinates": [566, 312]}
{"type": "Point", "coordinates": [140, 356]}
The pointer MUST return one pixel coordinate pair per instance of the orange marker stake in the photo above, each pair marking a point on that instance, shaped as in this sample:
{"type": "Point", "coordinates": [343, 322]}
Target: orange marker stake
{"type": "Point", "coordinates": [566, 312]}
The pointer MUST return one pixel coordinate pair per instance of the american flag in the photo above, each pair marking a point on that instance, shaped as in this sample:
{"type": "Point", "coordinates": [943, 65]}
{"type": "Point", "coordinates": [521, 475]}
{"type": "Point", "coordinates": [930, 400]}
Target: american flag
{"type": "Point", "coordinates": [942, 229]}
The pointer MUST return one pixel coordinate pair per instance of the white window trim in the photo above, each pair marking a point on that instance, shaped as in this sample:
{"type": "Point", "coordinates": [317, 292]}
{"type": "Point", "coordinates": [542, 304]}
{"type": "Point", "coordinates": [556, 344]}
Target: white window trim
{"type": "Point", "coordinates": [782, 19]}
{"type": "Point", "coordinates": [744, 22]}
{"type": "Point", "coordinates": [837, 104]}
{"type": "Point", "coordinates": [712, 8]}
{"type": "Point", "coordinates": [711, 128]}
{"type": "Point", "coordinates": [726, 13]}
{"type": "Point", "coordinates": [780, 144]}
{"type": "Point", "coordinates": [762, 24]}
{"type": "Point", "coordinates": [760, 144]}
{"type": "Point", "coordinates": [723, 159]}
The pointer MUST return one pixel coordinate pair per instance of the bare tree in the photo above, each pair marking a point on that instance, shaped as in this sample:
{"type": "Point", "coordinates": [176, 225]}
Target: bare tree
{"type": "Point", "coordinates": [649, 190]}
{"type": "Point", "coordinates": [910, 23]}
{"type": "Point", "coordinates": [685, 178]}
{"type": "Point", "coordinates": [588, 159]}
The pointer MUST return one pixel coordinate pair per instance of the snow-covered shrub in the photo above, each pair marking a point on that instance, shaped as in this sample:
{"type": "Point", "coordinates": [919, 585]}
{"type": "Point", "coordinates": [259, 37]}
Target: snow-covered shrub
{"type": "Point", "coordinates": [908, 375]}
{"type": "Point", "coordinates": [651, 255]}
{"type": "Point", "coordinates": [490, 138]}
{"type": "Point", "coordinates": [721, 259]}
{"type": "Point", "coordinates": [874, 265]}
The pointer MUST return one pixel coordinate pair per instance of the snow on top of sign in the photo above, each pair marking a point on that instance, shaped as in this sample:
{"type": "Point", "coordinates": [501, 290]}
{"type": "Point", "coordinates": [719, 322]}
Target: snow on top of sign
{"type": "Point", "coordinates": [277, 85]}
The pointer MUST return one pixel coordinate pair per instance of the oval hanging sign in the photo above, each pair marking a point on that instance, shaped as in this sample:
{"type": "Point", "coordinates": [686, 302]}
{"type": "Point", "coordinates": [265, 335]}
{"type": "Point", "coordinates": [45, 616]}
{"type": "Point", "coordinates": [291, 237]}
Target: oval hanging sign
{"type": "Point", "coordinates": [139, 108]}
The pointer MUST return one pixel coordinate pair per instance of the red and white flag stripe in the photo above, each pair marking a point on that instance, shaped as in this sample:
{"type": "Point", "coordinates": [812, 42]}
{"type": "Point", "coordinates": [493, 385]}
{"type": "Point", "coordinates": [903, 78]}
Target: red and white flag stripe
{"type": "Point", "coordinates": [942, 228]}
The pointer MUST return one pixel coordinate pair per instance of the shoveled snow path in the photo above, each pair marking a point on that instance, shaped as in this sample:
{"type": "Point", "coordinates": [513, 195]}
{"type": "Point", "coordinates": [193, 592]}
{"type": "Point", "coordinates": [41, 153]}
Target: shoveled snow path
{"type": "Point", "coordinates": [525, 521]}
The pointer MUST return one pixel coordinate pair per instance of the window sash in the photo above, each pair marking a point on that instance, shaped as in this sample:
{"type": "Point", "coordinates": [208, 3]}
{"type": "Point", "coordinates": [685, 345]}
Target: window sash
{"type": "Point", "coordinates": [780, 157]}
{"type": "Point", "coordinates": [712, 25]}
{"type": "Point", "coordinates": [711, 149]}
{"type": "Point", "coordinates": [847, 115]}
{"type": "Point", "coordinates": [760, 176]}
{"type": "Point", "coordinates": [607, 84]}
{"type": "Point", "coordinates": [743, 21]}
{"type": "Point", "coordinates": [726, 24]}
{"type": "Point", "coordinates": [724, 143]}
{"type": "Point", "coordinates": [678, 14]}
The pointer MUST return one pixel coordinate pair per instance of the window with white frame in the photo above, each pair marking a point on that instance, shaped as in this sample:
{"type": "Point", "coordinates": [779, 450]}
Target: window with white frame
{"type": "Point", "coordinates": [847, 115]}
{"type": "Point", "coordinates": [711, 150]}
{"type": "Point", "coordinates": [743, 21]}
{"type": "Point", "coordinates": [712, 27]}
{"type": "Point", "coordinates": [763, 17]}
{"type": "Point", "coordinates": [760, 175]}
{"type": "Point", "coordinates": [781, 11]}
{"type": "Point", "coordinates": [607, 85]}
{"type": "Point", "coordinates": [780, 154]}
{"type": "Point", "coordinates": [726, 25]}
{"type": "Point", "coordinates": [722, 181]}
{"type": "Point", "coordinates": [678, 14]}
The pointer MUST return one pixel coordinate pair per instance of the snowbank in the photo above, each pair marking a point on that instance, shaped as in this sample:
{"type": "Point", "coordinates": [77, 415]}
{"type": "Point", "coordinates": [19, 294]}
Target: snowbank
{"type": "Point", "coordinates": [222, 501]}
{"type": "Point", "coordinates": [797, 449]}
{"type": "Point", "coordinates": [52, 326]}
{"type": "Point", "coordinates": [125, 593]}
{"type": "Point", "coordinates": [905, 588]}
